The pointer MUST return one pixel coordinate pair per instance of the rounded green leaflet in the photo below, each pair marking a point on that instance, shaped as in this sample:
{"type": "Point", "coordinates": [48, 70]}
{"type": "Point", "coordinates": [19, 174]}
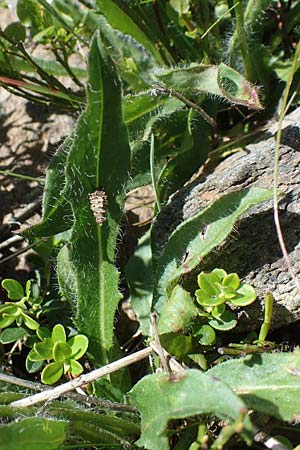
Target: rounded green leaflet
{"type": "Point", "coordinates": [33, 366]}
{"type": "Point", "coordinates": [207, 282]}
{"type": "Point", "coordinates": [29, 322]}
{"type": "Point", "coordinates": [6, 321]}
{"type": "Point", "coordinates": [206, 335]}
{"type": "Point", "coordinates": [220, 273]}
{"type": "Point", "coordinates": [10, 310]}
{"type": "Point", "coordinates": [52, 373]}
{"type": "Point", "coordinates": [75, 367]}
{"type": "Point", "coordinates": [44, 349]}
{"type": "Point", "coordinates": [34, 356]}
{"type": "Point", "coordinates": [14, 289]}
{"type": "Point", "coordinates": [245, 295]}
{"type": "Point", "coordinates": [232, 280]}
{"type": "Point", "coordinates": [209, 300]}
{"type": "Point", "coordinates": [224, 322]}
{"type": "Point", "coordinates": [61, 351]}
{"type": "Point", "coordinates": [58, 333]}
{"type": "Point", "coordinates": [79, 345]}
{"type": "Point", "coordinates": [12, 335]}
{"type": "Point", "coordinates": [218, 310]}
{"type": "Point", "coordinates": [43, 333]}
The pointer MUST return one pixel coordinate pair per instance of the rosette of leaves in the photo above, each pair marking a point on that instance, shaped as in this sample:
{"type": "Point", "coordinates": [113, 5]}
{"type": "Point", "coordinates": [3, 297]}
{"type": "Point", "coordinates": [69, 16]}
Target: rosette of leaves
{"type": "Point", "coordinates": [20, 310]}
{"type": "Point", "coordinates": [215, 290]}
{"type": "Point", "coordinates": [64, 353]}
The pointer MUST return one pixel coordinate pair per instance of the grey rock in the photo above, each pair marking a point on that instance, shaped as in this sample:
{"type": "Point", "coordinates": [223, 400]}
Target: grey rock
{"type": "Point", "coordinates": [252, 250]}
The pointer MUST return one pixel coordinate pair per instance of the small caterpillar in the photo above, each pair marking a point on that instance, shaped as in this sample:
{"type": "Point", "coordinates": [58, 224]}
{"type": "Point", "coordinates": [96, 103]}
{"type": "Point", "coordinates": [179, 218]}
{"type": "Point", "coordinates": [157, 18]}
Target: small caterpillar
{"type": "Point", "coordinates": [98, 203]}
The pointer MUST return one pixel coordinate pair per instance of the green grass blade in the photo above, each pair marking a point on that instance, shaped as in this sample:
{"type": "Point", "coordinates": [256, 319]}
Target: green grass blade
{"type": "Point", "coordinates": [99, 158]}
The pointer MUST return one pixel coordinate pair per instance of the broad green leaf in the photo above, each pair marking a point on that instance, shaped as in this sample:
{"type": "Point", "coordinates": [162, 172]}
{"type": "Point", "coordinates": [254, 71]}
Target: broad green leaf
{"type": "Point", "coordinates": [236, 88]}
{"type": "Point", "coordinates": [207, 283]}
{"type": "Point", "coordinates": [14, 289]}
{"type": "Point", "coordinates": [57, 214]}
{"type": "Point", "coordinates": [139, 276]}
{"type": "Point", "coordinates": [30, 14]}
{"type": "Point", "coordinates": [16, 31]}
{"type": "Point", "coordinates": [267, 383]}
{"type": "Point", "coordinates": [12, 335]}
{"type": "Point", "coordinates": [33, 434]}
{"type": "Point", "coordinates": [182, 395]}
{"type": "Point", "coordinates": [43, 333]}
{"type": "Point", "coordinates": [34, 356]}
{"type": "Point", "coordinates": [186, 245]}
{"type": "Point", "coordinates": [10, 309]}
{"type": "Point", "coordinates": [52, 373]}
{"type": "Point", "coordinates": [178, 312]}
{"type": "Point", "coordinates": [99, 157]}
{"type": "Point", "coordinates": [128, 22]}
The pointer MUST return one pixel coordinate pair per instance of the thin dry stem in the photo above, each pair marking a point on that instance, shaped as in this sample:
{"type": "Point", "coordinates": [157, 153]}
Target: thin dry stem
{"type": "Point", "coordinates": [276, 167]}
{"type": "Point", "coordinates": [57, 391]}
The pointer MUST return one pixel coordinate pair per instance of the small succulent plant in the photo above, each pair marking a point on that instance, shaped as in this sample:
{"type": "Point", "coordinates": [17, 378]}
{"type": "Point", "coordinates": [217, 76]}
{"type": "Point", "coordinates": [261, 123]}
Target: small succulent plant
{"type": "Point", "coordinates": [215, 290]}
{"type": "Point", "coordinates": [64, 353]}
{"type": "Point", "coordinates": [20, 312]}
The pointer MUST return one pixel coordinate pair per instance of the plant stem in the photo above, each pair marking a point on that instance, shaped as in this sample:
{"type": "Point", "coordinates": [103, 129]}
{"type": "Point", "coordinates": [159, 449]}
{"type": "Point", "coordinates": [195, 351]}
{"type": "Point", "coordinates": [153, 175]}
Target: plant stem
{"type": "Point", "coordinates": [218, 21]}
{"type": "Point", "coordinates": [19, 175]}
{"type": "Point", "coordinates": [241, 33]}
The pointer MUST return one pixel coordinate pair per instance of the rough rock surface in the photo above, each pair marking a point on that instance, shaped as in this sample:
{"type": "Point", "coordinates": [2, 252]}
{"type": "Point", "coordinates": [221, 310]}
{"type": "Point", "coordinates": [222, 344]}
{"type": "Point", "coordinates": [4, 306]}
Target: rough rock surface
{"type": "Point", "coordinates": [252, 250]}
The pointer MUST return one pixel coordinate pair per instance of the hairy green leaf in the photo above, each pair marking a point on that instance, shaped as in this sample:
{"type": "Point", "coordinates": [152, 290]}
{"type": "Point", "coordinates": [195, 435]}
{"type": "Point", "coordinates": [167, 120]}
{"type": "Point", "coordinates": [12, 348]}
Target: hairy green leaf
{"type": "Point", "coordinates": [99, 159]}
{"type": "Point", "coordinates": [161, 398]}
{"type": "Point", "coordinates": [128, 22]}
{"type": "Point", "coordinates": [185, 247]}
{"type": "Point", "coordinates": [33, 434]}
{"type": "Point", "coordinates": [221, 80]}
{"type": "Point", "coordinates": [57, 214]}
{"type": "Point", "coordinates": [66, 276]}
{"type": "Point", "coordinates": [178, 312]}
{"type": "Point", "coordinates": [267, 383]}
